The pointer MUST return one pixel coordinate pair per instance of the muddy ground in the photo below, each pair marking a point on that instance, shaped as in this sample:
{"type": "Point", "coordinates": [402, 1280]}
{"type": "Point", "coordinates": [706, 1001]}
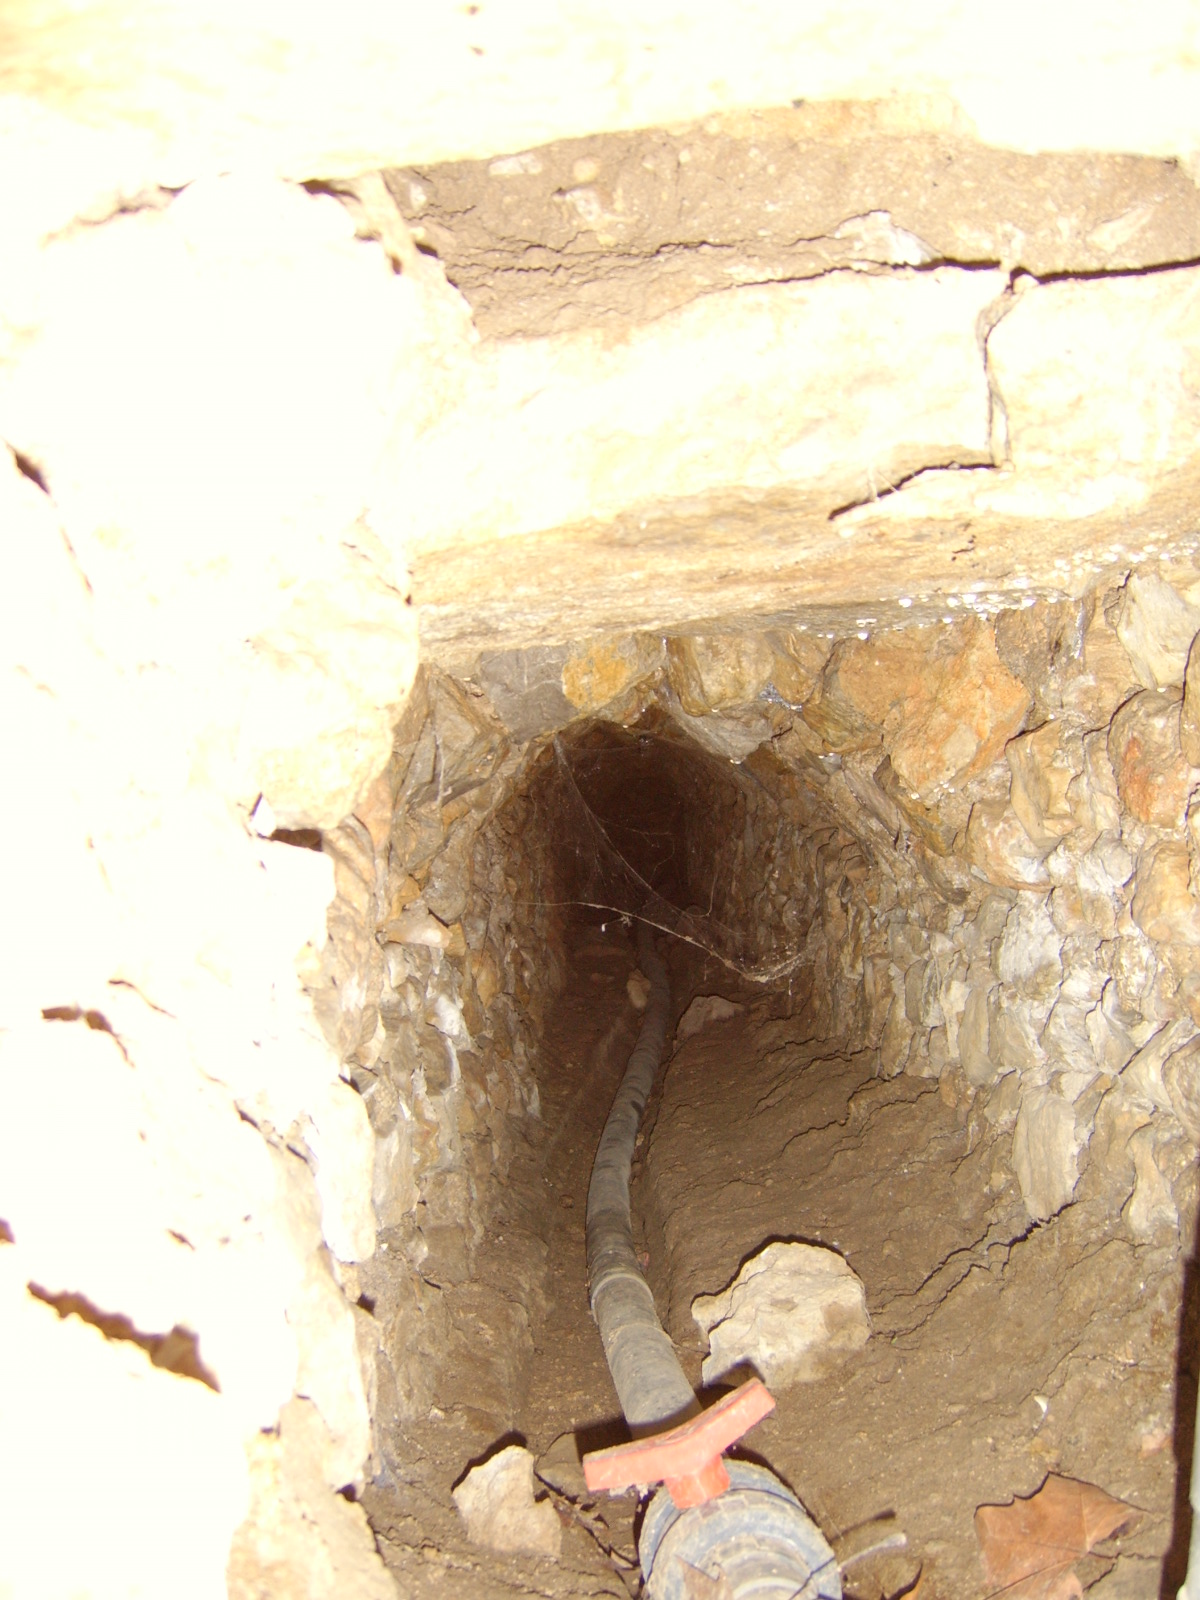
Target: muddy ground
{"type": "Point", "coordinates": [1001, 1351]}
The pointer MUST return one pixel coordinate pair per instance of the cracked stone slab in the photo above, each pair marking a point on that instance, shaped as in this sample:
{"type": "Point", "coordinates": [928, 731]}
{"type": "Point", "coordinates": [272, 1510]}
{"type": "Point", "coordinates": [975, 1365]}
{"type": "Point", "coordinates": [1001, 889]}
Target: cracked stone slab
{"type": "Point", "coordinates": [837, 388]}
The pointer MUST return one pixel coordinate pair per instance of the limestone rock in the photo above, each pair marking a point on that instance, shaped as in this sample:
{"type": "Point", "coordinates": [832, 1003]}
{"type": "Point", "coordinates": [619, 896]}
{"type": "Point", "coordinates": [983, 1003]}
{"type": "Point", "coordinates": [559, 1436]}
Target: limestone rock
{"type": "Point", "coordinates": [1156, 625]}
{"type": "Point", "coordinates": [299, 1539]}
{"type": "Point", "coordinates": [1163, 905]}
{"type": "Point", "coordinates": [1134, 968]}
{"type": "Point", "coordinates": [576, 436]}
{"type": "Point", "coordinates": [1045, 1148]}
{"type": "Point", "coordinates": [1153, 779]}
{"type": "Point", "coordinates": [733, 738]}
{"type": "Point", "coordinates": [417, 925]}
{"type": "Point", "coordinates": [1000, 849]}
{"type": "Point", "coordinates": [1095, 802]}
{"type": "Point", "coordinates": [705, 1009]}
{"type": "Point", "coordinates": [1040, 643]}
{"type": "Point", "coordinates": [393, 1187]}
{"type": "Point", "coordinates": [496, 1502]}
{"type": "Point", "coordinates": [526, 688]}
{"type": "Point", "coordinates": [1014, 1030]}
{"type": "Point", "coordinates": [1030, 951]}
{"type": "Point", "coordinates": [637, 987]}
{"type": "Point", "coordinates": [343, 1146]}
{"type": "Point", "coordinates": [799, 662]}
{"type": "Point", "coordinates": [127, 1419]}
{"type": "Point", "coordinates": [1151, 1208]}
{"type": "Point", "coordinates": [1042, 770]}
{"type": "Point", "coordinates": [793, 1312]}
{"type": "Point", "coordinates": [945, 712]}
{"type": "Point", "coordinates": [597, 672]}
{"type": "Point", "coordinates": [863, 683]}
{"type": "Point", "coordinates": [937, 827]}
{"type": "Point", "coordinates": [389, 94]}
{"type": "Point", "coordinates": [1104, 677]}
{"type": "Point", "coordinates": [1143, 1079]}
{"type": "Point", "coordinates": [713, 672]}
{"type": "Point", "coordinates": [895, 1040]}
{"type": "Point", "coordinates": [1181, 1075]}
{"type": "Point", "coordinates": [1111, 1044]}
{"type": "Point", "coordinates": [973, 1038]}
{"type": "Point", "coordinates": [1189, 715]}
{"type": "Point", "coordinates": [969, 706]}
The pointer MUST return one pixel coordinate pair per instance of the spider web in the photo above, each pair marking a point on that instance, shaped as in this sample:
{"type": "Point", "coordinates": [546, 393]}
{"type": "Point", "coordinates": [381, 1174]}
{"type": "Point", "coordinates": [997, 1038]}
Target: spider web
{"type": "Point", "coordinates": [601, 876]}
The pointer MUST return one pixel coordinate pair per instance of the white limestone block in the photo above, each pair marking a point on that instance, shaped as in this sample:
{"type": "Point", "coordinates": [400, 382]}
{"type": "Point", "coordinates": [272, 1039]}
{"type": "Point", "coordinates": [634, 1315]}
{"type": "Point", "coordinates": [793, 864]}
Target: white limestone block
{"type": "Point", "coordinates": [496, 1502]}
{"type": "Point", "coordinates": [705, 1008]}
{"type": "Point", "coordinates": [793, 1312]}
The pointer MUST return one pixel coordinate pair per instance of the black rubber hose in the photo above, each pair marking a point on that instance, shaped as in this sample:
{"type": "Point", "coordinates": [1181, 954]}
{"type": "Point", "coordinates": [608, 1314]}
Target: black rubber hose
{"type": "Point", "coordinates": [649, 1381]}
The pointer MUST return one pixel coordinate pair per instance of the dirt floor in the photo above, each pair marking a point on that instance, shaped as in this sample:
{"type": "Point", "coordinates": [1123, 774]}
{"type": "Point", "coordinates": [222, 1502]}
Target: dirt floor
{"type": "Point", "coordinates": [1001, 1352]}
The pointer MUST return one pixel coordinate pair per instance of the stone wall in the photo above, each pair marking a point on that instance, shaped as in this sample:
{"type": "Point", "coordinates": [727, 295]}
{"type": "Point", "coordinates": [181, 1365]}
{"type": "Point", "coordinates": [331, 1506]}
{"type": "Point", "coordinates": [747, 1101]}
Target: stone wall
{"type": "Point", "coordinates": [279, 924]}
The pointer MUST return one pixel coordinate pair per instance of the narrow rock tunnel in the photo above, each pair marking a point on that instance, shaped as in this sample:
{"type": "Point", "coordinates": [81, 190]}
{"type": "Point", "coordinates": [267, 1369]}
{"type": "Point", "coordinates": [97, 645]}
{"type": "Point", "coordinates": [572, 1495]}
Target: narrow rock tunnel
{"type": "Point", "coordinates": [913, 1027]}
{"type": "Point", "coordinates": [481, 488]}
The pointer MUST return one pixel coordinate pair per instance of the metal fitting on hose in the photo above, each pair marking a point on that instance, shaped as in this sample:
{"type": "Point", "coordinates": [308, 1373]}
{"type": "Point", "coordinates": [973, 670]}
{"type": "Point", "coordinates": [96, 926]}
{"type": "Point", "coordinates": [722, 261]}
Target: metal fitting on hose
{"type": "Point", "coordinates": [753, 1542]}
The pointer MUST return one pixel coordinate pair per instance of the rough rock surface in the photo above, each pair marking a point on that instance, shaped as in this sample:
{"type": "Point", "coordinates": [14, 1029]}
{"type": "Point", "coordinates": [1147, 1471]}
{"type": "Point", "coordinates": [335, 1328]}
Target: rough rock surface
{"type": "Point", "coordinates": [793, 1312]}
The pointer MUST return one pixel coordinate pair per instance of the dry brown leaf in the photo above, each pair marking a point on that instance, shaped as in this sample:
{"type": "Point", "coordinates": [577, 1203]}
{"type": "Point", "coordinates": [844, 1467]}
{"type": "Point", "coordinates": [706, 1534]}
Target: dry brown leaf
{"type": "Point", "coordinates": [1029, 1547]}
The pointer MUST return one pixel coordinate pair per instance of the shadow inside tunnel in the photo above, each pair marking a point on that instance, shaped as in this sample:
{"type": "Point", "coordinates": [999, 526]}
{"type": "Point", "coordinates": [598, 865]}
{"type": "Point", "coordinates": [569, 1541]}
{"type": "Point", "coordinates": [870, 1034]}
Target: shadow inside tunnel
{"type": "Point", "coordinates": [1183, 1434]}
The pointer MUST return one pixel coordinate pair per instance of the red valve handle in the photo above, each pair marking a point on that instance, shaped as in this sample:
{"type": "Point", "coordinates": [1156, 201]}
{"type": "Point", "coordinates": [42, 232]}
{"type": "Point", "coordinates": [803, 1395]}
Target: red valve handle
{"type": "Point", "coordinates": [688, 1458]}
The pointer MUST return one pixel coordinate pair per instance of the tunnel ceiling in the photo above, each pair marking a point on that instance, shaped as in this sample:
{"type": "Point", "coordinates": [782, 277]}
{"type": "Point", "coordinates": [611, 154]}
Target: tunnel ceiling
{"type": "Point", "coordinates": [872, 399]}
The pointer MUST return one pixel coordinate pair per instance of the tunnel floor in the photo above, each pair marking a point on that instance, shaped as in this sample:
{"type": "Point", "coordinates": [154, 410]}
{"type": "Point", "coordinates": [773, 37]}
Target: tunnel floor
{"type": "Point", "coordinates": [1001, 1352]}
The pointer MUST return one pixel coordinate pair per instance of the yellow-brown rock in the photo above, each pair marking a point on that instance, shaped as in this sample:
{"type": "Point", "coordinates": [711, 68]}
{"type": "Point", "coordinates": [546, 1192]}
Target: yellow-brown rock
{"type": "Point", "coordinates": [601, 669]}
{"type": "Point", "coordinates": [960, 715]}
{"type": "Point", "coordinates": [716, 671]}
{"type": "Point", "coordinates": [945, 707]}
{"type": "Point", "coordinates": [1042, 770]}
{"type": "Point", "coordinates": [1189, 712]}
{"type": "Point", "coordinates": [1105, 674]}
{"type": "Point", "coordinates": [1164, 907]}
{"type": "Point", "coordinates": [1001, 850]}
{"type": "Point", "coordinates": [1156, 625]}
{"type": "Point", "coordinates": [1153, 779]}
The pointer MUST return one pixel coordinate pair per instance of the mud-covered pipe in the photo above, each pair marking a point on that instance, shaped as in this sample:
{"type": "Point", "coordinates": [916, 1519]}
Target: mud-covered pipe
{"type": "Point", "coordinates": [649, 1381]}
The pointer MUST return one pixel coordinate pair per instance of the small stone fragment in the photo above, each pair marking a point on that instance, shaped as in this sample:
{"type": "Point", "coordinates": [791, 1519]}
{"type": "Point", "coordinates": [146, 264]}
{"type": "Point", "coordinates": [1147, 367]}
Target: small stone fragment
{"type": "Point", "coordinates": [705, 1008]}
{"type": "Point", "coordinates": [496, 1502]}
{"type": "Point", "coordinates": [637, 987]}
{"type": "Point", "coordinates": [793, 1312]}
